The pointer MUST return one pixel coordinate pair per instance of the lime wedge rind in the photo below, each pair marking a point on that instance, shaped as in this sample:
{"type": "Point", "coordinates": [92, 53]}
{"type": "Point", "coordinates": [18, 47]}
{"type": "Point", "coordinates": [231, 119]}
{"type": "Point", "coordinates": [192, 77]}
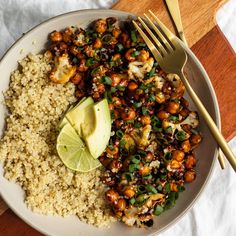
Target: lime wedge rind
{"type": "Point", "coordinates": [73, 152]}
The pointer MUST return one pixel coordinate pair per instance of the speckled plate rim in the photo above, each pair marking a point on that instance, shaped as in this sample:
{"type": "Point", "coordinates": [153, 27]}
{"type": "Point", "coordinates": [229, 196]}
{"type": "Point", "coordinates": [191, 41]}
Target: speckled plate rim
{"type": "Point", "coordinates": [209, 84]}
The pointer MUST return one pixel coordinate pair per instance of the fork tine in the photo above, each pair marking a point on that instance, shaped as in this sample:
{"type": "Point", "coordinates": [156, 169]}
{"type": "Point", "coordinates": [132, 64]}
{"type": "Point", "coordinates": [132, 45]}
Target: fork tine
{"type": "Point", "coordinates": [167, 32]}
{"type": "Point", "coordinates": [149, 43]}
{"type": "Point", "coordinates": [159, 33]}
{"type": "Point", "coordinates": [162, 49]}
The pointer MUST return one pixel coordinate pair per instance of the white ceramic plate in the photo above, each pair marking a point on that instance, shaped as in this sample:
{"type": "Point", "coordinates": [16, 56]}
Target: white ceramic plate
{"type": "Point", "coordinates": [34, 41]}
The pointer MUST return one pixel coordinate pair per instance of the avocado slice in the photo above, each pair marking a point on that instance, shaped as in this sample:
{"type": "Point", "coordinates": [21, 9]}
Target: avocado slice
{"type": "Point", "coordinates": [96, 128]}
{"type": "Point", "coordinates": [77, 115]}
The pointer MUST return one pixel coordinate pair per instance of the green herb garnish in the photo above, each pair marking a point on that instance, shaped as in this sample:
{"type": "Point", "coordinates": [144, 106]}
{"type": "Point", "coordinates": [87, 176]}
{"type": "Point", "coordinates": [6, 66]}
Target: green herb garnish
{"type": "Point", "coordinates": [132, 201]}
{"type": "Point", "coordinates": [106, 80]}
{"type": "Point", "coordinates": [120, 47]}
{"type": "Point", "coordinates": [169, 129]}
{"type": "Point", "coordinates": [137, 125]}
{"type": "Point", "coordinates": [150, 189]}
{"type": "Point", "coordinates": [173, 118]}
{"type": "Point", "coordinates": [133, 36]}
{"type": "Point", "coordinates": [137, 104]}
{"type": "Point", "coordinates": [135, 53]}
{"type": "Point", "coordinates": [119, 133]}
{"type": "Point", "coordinates": [151, 98]}
{"type": "Point", "coordinates": [180, 135]}
{"type": "Point", "coordinates": [158, 210]}
{"type": "Point", "coordinates": [145, 111]}
{"type": "Point", "coordinates": [90, 62]}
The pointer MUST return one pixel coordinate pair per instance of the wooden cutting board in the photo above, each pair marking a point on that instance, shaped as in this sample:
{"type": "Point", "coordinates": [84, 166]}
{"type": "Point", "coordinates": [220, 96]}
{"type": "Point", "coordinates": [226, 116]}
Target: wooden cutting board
{"type": "Point", "coordinates": [209, 45]}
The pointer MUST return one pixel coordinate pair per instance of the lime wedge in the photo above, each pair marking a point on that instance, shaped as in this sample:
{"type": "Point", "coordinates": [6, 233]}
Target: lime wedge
{"type": "Point", "coordinates": [73, 152]}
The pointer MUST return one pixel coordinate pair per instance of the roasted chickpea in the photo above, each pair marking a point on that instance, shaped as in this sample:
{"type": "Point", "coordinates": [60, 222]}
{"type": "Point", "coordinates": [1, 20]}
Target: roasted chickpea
{"type": "Point", "coordinates": [144, 170]}
{"type": "Point", "coordinates": [160, 98]}
{"type": "Point", "coordinates": [173, 107]}
{"type": "Point", "coordinates": [112, 196]}
{"type": "Point", "coordinates": [128, 115]}
{"type": "Point", "coordinates": [186, 128]}
{"type": "Point", "coordinates": [115, 166]}
{"type": "Point", "coordinates": [195, 139]}
{"type": "Point", "coordinates": [184, 112]}
{"type": "Point", "coordinates": [63, 47]}
{"type": "Point", "coordinates": [56, 36]}
{"type": "Point", "coordinates": [112, 151]}
{"type": "Point", "coordinates": [120, 205]}
{"type": "Point", "coordinates": [190, 176]}
{"type": "Point", "coordinates": [184, 103]}
{"type": "Point", "coordinates": [100, 26]}
{"type": "Point", "coordinates": [101, 88]}
{"type": "Point", "coordinates": [132, 86]}
{"type": "Point", "coordinates": [175, 164]}
{"type": "Point", "coordinates": [111, 106]}
{"type": "Point", "coordinates": [143, 55]}
{"type": "Point", "coordinates": [116, 102]}
{"type": "Point", "coordinates": [174, 187]}
{"type": "Point", "coordinates": [79, 93]}
{"type": "Point", "coordinates": [186, 145]}
{"type": "Point", "coordinates": [74, 50]}
{"type": "Point", "coordinates": [145, 120]}
{"type": "Point", "coordinates": [190, 161]}
{"type": "Point", "coordinates": [128, 55]}
{"type": "Point", "coordinates": [129, 192]}
{"type": "Point", "coordinates": [97, 43]}
{"type": "Point", "coordinates": [163, 115]}
{"type": "Point", "coordinates": [82, 66]}
{"type": "Point", "coordinates": [124, 37]}
{"type": "Point", "coordinates": [116, 32]}
{"type": "Point", "coordinates": [178, 155]}
{"type": "Point", "coordinates": [116, 78]}
{"type": "Point", "coordinates": [77, 78]}
{"type": "Point", "coordinates": [67, 35]}
{"type": "Point", "coordinates": [96, 95]}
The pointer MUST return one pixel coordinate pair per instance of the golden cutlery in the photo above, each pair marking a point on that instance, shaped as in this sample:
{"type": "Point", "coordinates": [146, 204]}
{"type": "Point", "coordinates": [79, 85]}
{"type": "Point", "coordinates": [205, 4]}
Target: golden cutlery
{"type": "Point", "coordinates": [172, 59]}
{"type": "Point", "coordinates": [173, 7]}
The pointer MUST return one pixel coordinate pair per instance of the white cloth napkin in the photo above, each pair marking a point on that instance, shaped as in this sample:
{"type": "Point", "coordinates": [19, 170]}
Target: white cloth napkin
{"type": "Point", "coordinates": [226, 20]}
{"type": "Point", "coordinates": [215, 211]}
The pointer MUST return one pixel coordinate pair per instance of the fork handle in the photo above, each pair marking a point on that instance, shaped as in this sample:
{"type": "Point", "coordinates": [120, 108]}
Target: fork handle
{"type": "Point", "coordinates": [210, 123]}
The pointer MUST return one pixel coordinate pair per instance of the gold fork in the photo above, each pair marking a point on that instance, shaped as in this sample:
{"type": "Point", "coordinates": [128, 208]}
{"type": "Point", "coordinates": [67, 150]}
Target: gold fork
{"type": "Point", "coordinates": [173, 7]}
{"type": "Point", "coordinates": [172, 58]}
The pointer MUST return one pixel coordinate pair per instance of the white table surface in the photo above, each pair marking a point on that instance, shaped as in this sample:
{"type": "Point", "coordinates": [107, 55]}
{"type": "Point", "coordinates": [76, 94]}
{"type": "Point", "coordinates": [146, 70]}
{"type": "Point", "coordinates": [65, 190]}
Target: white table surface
{"type": "Point", "coordinates": [215, 211]}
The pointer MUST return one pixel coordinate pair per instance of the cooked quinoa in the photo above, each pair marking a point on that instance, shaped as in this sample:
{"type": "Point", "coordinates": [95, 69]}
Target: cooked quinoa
{"type": "Point", "coordinates": [28, 148]}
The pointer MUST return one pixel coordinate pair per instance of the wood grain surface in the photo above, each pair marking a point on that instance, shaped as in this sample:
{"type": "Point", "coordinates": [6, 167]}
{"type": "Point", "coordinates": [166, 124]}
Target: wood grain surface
{"type": "Point", "coordinates": [198, 16]}
{"type": "Point", "coordinates": [210, 47]}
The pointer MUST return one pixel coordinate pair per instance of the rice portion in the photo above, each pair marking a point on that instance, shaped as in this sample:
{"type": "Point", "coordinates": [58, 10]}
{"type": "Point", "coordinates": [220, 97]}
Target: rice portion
{"type": "Point", "coordinates": [28, 148]}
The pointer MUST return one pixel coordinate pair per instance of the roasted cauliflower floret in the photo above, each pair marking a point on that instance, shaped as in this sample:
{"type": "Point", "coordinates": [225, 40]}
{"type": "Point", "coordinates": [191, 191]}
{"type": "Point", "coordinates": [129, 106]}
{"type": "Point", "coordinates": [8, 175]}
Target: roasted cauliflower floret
{"type": "Point", "coordinates": [142, 136]}
{"type": "Point", "coordinates": [138, 69]}
{"type": "Point", "coordinates": [63, 70]}
{"type": "Point", "coordinates": [192, 120]}
{"type": "Point", "coordinates": [177, 84]}
{"type": "Point", "coordinates": [79, 39]}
